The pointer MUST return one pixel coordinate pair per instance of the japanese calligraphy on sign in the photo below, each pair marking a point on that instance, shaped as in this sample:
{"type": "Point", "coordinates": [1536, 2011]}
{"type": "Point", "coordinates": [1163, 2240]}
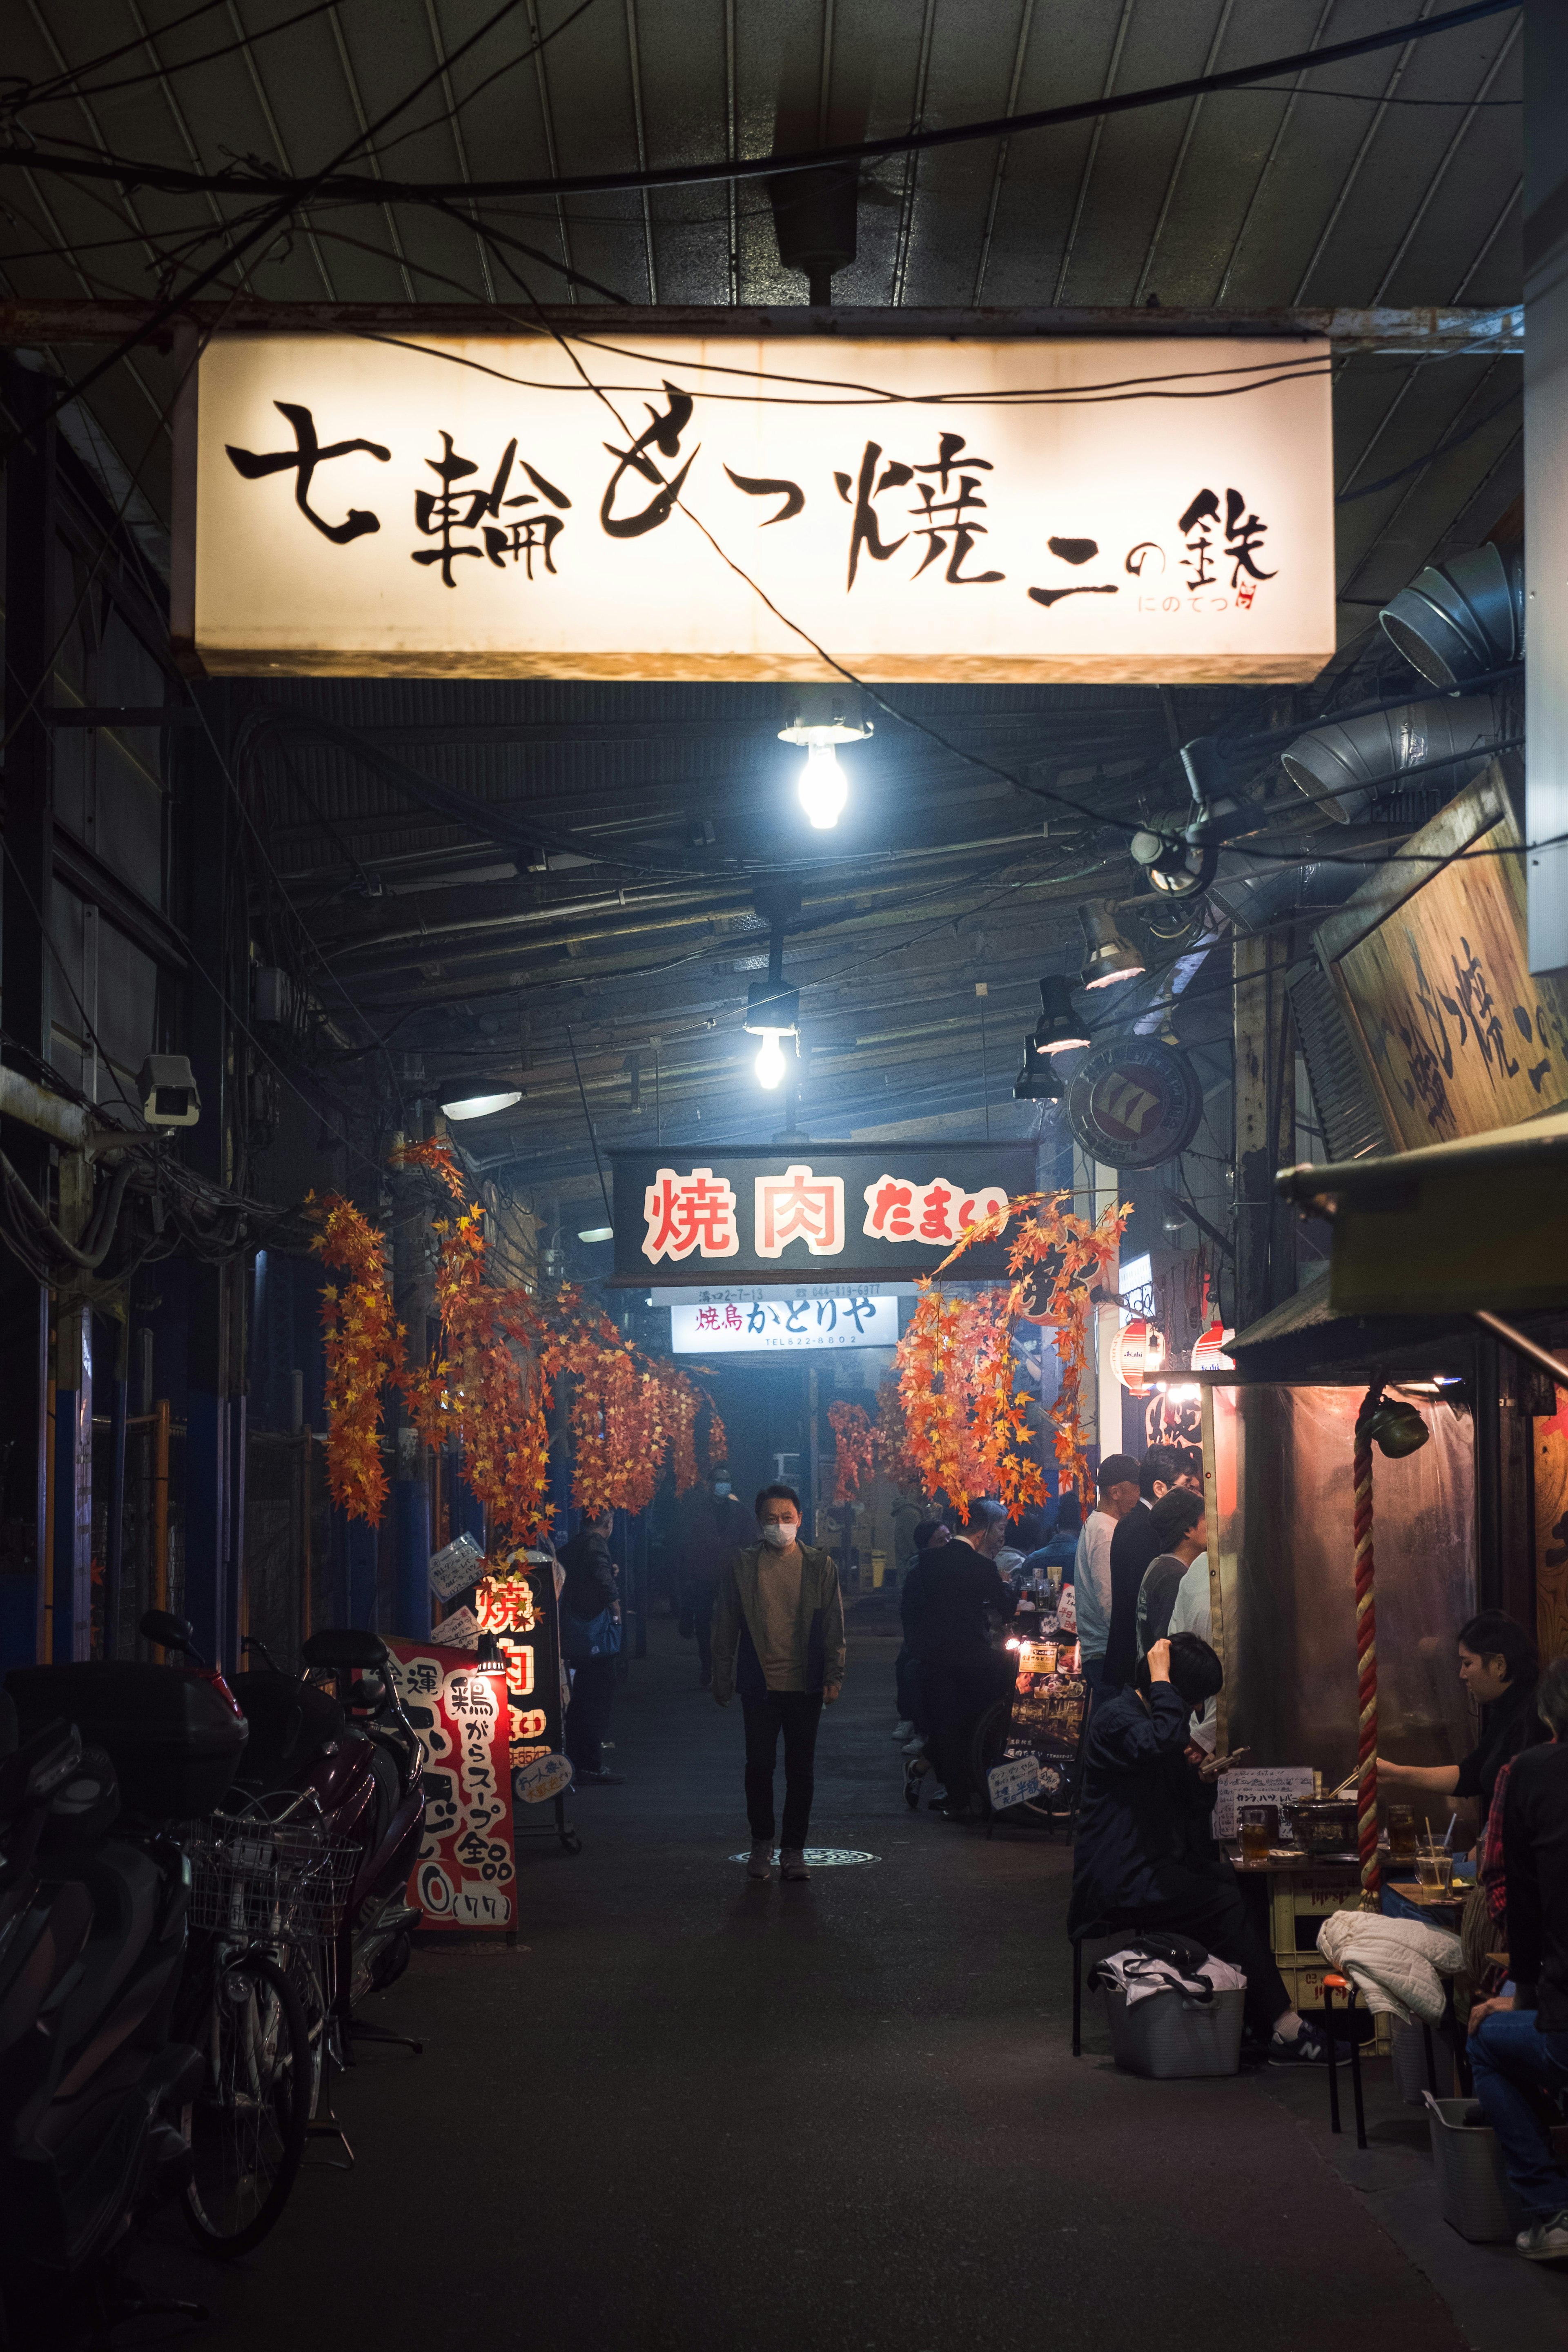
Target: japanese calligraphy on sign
{"type": "Point", "coordinates": [839, 1210]}
{"type": "Point", "coordinates": [1158, 509]}
{"type": "Point", "coordinates": [465, 1875]}
{"type": "Point", "coordinates": [784, 1324]}
{"type": "Point", "coordinates": [1435, 974]}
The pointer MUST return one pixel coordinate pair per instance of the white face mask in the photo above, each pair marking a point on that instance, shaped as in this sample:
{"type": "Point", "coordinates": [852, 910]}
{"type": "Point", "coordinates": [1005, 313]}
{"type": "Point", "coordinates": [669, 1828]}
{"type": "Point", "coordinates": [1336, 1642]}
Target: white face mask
{"type": "Point", "coordinates": [781, 1533]}
{"type": "Point", "coordinates": [722, 1486]}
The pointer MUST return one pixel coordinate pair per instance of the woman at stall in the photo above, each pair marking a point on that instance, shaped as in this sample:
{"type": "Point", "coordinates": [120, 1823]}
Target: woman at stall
{"type": "Point", "coordinates": [1497, 1669]}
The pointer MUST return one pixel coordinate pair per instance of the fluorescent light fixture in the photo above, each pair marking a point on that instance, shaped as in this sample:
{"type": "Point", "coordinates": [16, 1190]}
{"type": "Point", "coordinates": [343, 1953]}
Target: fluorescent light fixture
{"type": "Point", "coordinates": [597, 1234]}
{"type": "Point", "coordinates": [480, 1106]}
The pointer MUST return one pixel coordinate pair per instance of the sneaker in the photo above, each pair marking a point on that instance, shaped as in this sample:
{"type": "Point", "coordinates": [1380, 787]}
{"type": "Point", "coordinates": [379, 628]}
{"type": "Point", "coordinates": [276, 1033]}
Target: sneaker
{"type": "Point", "coordinates": [792, 1864]}
{"type": "Point", "coordinates": [903, 1731]}
{"type": "Point", "coordinates": [1309, 2048]}
{"type": "Point", "coordinates": [759, 1863]}
{"type": "Point", "coordinates": [602, 1779]}
{"type": "Point", "coordinates": [915, 1747]}
{"type": "Point", "coordinates": [1545, 2241]}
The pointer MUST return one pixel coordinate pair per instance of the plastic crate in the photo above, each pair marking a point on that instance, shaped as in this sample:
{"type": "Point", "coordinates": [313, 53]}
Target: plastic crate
{"type": "Point", "coordinates": [1472, 2184]}
{"type": "Point", "coordinates": [1410, 2064]}
{"type": "Point", "coordinates": [1169, 2038]}
{"type": "Point", "coordinates": [1300, 1902]}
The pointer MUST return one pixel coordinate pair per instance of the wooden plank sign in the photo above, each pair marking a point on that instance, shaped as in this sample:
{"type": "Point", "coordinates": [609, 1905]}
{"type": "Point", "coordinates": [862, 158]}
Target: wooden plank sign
{"type": "Point", "coordinates": [465, 1873]}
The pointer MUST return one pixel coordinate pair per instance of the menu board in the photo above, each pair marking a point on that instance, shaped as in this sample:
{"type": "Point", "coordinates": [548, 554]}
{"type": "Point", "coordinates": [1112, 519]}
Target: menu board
{"type": "Point", "coordinates": [1258, 1784]}
{"type": "Point", "coordinates": [519, 1605]}
{"type": "Point", "coordinates": [466, 1872]}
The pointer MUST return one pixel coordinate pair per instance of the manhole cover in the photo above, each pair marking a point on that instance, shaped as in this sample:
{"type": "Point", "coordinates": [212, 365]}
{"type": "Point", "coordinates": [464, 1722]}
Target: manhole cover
{"type": "Point", "coordinates": [822, 1857]}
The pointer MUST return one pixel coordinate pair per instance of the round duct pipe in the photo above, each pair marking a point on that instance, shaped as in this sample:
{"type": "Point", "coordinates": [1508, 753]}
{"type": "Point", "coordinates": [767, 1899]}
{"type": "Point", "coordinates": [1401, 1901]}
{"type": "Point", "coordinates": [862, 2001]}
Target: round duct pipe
{"type": "Point", "coordinates": [1345, 768]}
{"type": "Point", "coordinates": [1459, 619]}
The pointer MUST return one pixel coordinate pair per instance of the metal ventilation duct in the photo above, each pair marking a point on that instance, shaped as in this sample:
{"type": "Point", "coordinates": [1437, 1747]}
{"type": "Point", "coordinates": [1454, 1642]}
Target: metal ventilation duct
{"type": "Point", "coordinates": [1351, 1116]}
{"type": "Point", "coordinates": [1459, 619]}
{"type": "Point", "coordinates": [1345, 768]}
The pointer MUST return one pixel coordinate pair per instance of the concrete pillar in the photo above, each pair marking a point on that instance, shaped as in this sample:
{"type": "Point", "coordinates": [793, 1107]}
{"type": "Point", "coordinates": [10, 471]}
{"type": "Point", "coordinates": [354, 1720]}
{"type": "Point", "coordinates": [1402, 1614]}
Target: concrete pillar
{"type": "Point", "coordinates": [25, 972]}
{"type": "Point", "coordinates": [1546, 474]}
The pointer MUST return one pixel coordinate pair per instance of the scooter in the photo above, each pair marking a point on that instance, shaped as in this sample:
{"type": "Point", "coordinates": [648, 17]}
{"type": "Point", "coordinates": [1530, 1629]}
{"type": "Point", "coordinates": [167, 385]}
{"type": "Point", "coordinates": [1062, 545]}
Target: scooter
{"type": "Point", "coordinates": [92, 2089]}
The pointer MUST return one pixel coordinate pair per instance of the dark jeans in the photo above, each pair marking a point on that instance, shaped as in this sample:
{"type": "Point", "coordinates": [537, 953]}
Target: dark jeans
{"type": "Point", "coordinates": [959, 1684]}
{"type": "Point", "coordinates": [797, 1714]}
{"type": "Point", "coordinates": [1512, 2063]}
{"type": "Point", "coordinates": [588, 1716]}
{"type": "Point", "coordinates": [906, 1681]}
{"type": "Point", "coordinates": [1211, 1911]}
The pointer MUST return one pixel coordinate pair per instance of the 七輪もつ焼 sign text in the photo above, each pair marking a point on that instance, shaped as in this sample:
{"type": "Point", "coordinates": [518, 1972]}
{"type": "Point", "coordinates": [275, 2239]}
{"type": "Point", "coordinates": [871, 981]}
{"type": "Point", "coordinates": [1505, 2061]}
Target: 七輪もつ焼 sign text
{"type": "Point", "coordinates": [1006, 511]}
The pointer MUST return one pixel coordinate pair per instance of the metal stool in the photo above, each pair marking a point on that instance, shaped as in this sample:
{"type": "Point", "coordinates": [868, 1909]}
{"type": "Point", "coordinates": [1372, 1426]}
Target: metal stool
{"type": "Point", "coordinates": [1331, 1985]}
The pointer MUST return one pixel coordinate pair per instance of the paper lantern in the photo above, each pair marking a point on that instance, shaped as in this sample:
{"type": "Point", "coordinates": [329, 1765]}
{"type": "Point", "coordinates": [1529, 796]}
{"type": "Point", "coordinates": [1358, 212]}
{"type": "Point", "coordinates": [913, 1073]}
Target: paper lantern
{"type": "Point", "coordinates": [1140, 1350]}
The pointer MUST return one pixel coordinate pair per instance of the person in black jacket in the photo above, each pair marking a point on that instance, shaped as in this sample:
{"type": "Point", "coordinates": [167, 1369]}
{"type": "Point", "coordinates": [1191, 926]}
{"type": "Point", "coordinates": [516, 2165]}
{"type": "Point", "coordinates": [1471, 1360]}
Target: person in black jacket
{"type": "Point", "coordinates": [590, 1641]}
{"type": "Point", "coordinates": [1497, 1668]}
{"type": "Point", "coordinates": [1518, 2043]}
{"type": "Point", "coordinates": [1144, 1855]}
{"type": "Point", "coordinates": [1133, 1546]}
{"type": "Point", "coordinates": [945, 1625]}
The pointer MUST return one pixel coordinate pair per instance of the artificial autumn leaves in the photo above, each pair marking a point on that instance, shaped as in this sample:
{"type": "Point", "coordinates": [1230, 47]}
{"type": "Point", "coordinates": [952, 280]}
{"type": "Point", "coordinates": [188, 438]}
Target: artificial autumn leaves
{"type": "Point", "coordinates": [506, 1354]}
{"type": "Point", "coordinates": [955, 1424]}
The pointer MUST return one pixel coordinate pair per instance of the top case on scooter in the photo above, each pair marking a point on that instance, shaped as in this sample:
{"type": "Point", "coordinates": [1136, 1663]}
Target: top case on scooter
{"type": "Point", "coordinates": [176, 1740]}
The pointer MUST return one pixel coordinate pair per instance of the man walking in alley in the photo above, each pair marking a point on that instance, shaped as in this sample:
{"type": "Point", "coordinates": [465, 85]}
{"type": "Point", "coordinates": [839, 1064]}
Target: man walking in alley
{"type": "Point", "coordinates": [961, 1674]}
{"type": "Point", "coordinates": [778, 1638]}
{"type": "Point", "coordinates": [714, 1525]}
{"type": "Point", "coordinates": [1519, 2045]}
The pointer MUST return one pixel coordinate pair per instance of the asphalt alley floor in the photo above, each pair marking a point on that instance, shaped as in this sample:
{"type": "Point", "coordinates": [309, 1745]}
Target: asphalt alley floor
{"type": "Point", "coordinates": [692, 2114]}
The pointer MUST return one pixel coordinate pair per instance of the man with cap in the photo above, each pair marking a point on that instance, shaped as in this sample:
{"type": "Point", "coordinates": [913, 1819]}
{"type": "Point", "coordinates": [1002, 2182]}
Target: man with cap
{"type": "Point", "coordinates": [1116, 1481]}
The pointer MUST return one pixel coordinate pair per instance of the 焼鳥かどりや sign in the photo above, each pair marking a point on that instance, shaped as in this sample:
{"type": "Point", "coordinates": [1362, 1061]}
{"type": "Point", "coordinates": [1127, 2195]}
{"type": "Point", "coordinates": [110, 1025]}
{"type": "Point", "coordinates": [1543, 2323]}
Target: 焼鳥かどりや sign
{"type": "Point", "coordinates": [755, 1214]}
{"type": "Point", "coordinates": [783, 1325]}
{"type": "Point", "coordinates": [927, 509]}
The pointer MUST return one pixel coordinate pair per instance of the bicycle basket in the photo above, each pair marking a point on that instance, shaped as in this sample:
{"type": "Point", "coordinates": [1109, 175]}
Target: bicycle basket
{"type": "Point", "coordinates": [270, 1882]}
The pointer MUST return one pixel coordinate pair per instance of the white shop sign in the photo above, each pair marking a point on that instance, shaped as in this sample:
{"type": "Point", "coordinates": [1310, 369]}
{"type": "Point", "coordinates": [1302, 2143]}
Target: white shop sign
{"type": "Point", "coordinates": [776, 1323]}
{"type": "Point", "coordinates": [1263, 1784]}
{"type": "Point", "coordinates": [1118, 510]}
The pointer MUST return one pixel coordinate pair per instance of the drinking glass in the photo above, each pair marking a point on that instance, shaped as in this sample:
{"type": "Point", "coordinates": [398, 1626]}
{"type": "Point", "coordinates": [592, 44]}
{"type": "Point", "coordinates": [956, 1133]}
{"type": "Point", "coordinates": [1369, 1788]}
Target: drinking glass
{"type": "Point", "coordinates": [1434, 1873]}
{"type": "Point", "coordinates": [1254, 1826]}
{"type": "Point", "coordinates": [1401, 1833]}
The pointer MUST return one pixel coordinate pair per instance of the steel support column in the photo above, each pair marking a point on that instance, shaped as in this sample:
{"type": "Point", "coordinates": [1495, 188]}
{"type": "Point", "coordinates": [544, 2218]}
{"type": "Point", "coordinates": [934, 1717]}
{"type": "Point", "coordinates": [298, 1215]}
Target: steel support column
{"type": "Point", "coordinates": [1546, 474]}
{"type": "Point", "coordinates": [1265, 1095]}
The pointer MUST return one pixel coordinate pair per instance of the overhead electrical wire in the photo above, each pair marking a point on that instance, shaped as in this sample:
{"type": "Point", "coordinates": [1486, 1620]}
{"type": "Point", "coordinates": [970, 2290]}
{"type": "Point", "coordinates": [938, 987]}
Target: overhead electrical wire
{"type": "Point", "coordinates": [331, 181]}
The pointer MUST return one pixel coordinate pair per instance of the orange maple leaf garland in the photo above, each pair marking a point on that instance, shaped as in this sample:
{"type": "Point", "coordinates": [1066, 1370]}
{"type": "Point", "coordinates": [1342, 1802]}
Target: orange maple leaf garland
{"type": "Point", "coordinates": [363, 1347]}
{"type": "Point", "coordinates": [855, 1441]}
{"type": "Point", "coordinates": [965, 1421]}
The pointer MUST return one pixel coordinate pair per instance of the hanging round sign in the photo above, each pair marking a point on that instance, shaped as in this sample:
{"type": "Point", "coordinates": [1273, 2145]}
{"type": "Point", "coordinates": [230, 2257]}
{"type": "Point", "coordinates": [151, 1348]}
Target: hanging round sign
{"type": "Point", "coordinates": [1135, 1103]}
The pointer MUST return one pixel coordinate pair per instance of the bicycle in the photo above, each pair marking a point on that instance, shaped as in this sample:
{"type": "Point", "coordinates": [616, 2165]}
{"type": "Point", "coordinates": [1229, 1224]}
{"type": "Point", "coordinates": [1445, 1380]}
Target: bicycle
{"type": "Point", "coordinates": [263, 1895]}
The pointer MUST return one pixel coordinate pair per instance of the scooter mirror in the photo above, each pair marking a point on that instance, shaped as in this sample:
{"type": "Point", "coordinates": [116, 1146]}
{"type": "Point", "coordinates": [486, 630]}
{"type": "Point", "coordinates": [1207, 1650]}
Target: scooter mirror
{"type": "Point", "coordinates": [163, 1626]}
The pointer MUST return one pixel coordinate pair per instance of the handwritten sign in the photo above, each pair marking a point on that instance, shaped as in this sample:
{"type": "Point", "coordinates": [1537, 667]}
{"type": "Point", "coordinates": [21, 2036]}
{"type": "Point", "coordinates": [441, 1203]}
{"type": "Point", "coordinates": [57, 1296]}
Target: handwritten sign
{"type": "Point", "coordinates": [1014, 1782]}
{"type": "Point", "coordinates": [1263, 1784]}
{"type": "Point", "coordinates": [465, 1875]}
{"type": "Point", "coordinates": [941, 509]}
{"type": "Point", "coordinates": [456, 1567]}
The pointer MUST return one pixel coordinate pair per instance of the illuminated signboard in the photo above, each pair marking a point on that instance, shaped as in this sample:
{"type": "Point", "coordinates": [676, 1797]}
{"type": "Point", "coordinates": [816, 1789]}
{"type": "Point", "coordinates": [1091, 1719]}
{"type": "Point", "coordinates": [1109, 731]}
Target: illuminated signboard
{"type": "Point", "coordinates": [1153, 510]}
{"type": "Point", "coordinates": [758, 1214]}
{"type": "Point", "coordinates": [784, 1323]}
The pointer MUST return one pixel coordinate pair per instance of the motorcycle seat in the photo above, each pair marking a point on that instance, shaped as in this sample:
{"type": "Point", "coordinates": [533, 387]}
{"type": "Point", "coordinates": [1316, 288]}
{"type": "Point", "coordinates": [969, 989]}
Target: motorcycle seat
{"type": "Point", "coordinates": [291, 1722]}
{"type": "Point", "coordinates": [343, 1645]}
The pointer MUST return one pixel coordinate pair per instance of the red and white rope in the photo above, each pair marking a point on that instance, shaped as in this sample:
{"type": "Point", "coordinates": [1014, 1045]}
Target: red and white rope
{"type": "Point", "coordinates": [1366, 1671]}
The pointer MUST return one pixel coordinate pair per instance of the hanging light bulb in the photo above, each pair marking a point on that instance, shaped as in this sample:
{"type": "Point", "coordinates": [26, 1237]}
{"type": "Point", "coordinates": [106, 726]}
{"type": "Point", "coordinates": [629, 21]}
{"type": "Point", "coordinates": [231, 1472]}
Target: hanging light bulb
{"type": "Point", "coordinates": [770, 1063]}
{"type": "Point", "coordinates": [823, 786]}
{"type": "Point", "coordinates": [818, 717]}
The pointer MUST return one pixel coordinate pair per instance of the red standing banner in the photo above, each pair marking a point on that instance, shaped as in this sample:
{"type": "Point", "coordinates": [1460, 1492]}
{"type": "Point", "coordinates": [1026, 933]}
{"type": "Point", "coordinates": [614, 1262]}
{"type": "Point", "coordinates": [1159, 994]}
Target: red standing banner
{"type": "Point", "coordinates": [465, 1873]}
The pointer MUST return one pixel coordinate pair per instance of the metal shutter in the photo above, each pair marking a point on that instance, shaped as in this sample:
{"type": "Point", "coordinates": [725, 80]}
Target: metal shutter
{"type": "Point", "coordinates": [1353, 1126]}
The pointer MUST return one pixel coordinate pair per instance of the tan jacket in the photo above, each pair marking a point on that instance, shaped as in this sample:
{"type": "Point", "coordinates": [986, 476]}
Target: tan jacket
{"type": "Point", "coordinates": [738, 1629]}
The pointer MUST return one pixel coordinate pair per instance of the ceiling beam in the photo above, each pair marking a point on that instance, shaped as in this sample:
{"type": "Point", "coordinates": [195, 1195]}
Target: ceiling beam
{"type": "Point", "coordinates": [1431, 332]}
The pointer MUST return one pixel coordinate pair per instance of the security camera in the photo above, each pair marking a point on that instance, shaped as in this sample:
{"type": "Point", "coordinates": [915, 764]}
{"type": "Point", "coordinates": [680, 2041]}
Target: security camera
{"type": "Point", "coordinates": [167, 1086]}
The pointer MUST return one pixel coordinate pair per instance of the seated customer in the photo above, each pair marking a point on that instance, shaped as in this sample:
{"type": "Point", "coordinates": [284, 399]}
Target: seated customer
{"type": "Point", "coordinates": [1144, 1855]}
{"type": "Point", "coordinates": [1519, 2044]}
